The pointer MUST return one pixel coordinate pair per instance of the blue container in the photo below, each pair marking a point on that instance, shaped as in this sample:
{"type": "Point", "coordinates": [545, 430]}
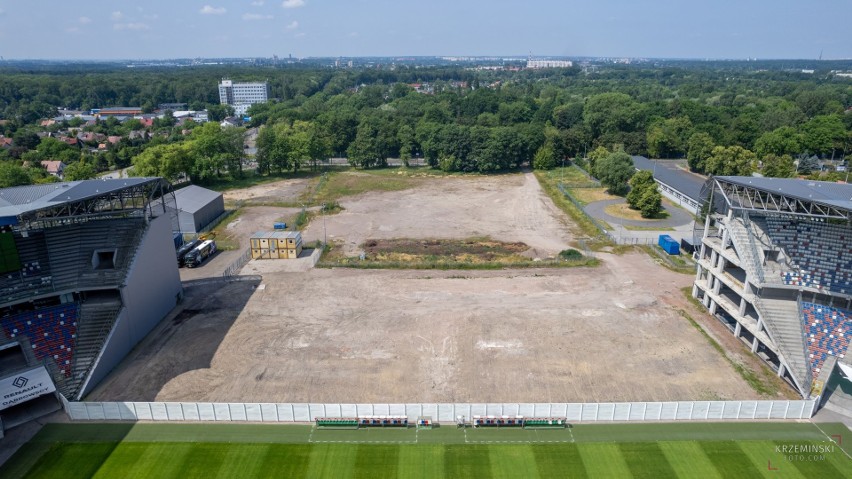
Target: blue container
{"type": "Point", "coordinates": [279, 226]}
{"type": "Point", "coordinates": [669, 245]}
{"type": "Point", "coordinates": [178, 239]}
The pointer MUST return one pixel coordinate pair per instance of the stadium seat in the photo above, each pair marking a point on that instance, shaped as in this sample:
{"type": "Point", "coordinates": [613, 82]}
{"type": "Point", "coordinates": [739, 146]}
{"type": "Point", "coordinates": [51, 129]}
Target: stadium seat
{"type": "Point", "coordinates": [51, 332]}
{"type": "Point", "coordinates": [821, 253]}
{"type": "Point", "coordinates": [827, 331]}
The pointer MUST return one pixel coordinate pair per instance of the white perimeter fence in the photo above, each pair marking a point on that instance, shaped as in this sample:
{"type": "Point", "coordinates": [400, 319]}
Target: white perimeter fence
{"type": "Point", "coordinates": [575, 412]}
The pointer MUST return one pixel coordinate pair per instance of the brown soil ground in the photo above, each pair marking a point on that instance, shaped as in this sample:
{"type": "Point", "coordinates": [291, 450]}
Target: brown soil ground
{"type": "Point", "coordinates": [610, 333]}
{"type": "Point", "coordinates": [506, 208]}
{"type": "Point", "coordinates": [277, 191]}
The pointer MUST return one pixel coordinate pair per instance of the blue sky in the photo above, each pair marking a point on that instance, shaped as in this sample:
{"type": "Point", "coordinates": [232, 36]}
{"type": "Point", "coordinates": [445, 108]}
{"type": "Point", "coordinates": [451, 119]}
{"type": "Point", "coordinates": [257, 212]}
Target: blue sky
{"type": "Point", "coordinates": [122, 29]}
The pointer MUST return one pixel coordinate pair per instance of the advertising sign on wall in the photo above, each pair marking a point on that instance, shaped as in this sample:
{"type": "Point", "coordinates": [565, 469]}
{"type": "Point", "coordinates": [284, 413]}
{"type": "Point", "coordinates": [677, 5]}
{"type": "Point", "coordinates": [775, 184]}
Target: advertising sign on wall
{"type": "Point", "coordinates": [24, 386]}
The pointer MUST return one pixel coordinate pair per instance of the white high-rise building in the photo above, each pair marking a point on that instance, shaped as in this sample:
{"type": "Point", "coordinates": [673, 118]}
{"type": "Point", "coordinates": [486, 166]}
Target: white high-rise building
{"type": "Point", "coordinates": [242, 95]}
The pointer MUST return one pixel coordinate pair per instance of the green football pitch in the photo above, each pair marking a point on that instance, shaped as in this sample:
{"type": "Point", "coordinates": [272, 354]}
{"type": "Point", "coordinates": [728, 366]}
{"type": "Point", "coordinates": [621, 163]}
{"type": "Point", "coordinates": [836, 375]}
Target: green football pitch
{"type": "Point", "coordinates": [741, 450]}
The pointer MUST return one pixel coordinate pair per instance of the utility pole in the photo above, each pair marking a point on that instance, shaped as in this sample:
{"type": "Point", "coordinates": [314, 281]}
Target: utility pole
{"type": "Point", "coordinates": [324, 233]}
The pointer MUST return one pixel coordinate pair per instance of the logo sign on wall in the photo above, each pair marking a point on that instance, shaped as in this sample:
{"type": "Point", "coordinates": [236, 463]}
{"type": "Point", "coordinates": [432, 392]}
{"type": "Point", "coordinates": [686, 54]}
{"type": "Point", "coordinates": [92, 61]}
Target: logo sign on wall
{"type": "Point", "coordinates": [22, 387]}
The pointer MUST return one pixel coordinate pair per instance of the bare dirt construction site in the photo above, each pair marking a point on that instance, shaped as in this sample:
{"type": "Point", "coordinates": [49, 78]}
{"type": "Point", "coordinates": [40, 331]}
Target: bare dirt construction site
{"type": "Point", "coordinates": [610, 333]}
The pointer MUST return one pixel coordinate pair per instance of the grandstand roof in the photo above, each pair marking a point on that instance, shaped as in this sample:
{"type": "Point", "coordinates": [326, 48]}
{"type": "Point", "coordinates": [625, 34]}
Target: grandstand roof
{"type": "Point", "coordinates": [193, 198]}
{"type": "Point", "coordinates": [20, 200]}
{"type": "Point", "coordinates": [687, 183]}
{"type": "Point", "coordinates": [834, 194]}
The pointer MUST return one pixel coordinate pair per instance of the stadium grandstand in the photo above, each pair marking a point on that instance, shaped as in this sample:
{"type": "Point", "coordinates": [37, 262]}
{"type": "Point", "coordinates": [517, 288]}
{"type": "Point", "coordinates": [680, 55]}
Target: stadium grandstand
{"type": "Point", "coordinates": [87, 271]}
{"type": "Point", "coordinates": [775, 266]}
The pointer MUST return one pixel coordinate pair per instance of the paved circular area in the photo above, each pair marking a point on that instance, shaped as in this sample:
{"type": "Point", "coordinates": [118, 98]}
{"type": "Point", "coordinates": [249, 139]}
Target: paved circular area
{"type": "Point", "coordinates": [677, 217]}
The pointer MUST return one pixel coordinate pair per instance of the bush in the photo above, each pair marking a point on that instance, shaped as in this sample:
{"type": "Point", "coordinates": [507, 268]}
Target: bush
{"type": "Point", "coordinates": [570, 254]}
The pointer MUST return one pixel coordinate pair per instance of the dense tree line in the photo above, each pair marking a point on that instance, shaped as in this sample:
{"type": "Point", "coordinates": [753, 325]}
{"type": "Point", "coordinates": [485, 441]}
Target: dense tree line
{"type": "Point", "coordinates": [725, 119]}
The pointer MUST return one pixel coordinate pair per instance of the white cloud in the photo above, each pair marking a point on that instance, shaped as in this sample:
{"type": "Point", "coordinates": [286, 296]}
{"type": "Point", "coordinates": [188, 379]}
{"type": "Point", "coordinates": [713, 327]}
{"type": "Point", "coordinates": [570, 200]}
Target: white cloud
{"type": "Point", "coordinates": [292, 25]}
{"type": "Point", "coordinates": [293, 3]}
{"type": "Point", "coordinates": [138, 27]}
{"type": "Point", "coordinates": [85, 20]}
{"type": "Point", "coordinates": [255, 16]}
{"type": "Point", "coordinates": [208, 10]}
{"type": "Point", "coordinates": [116, 16]}
{"type": "Point", "coordinates": [257, 3]}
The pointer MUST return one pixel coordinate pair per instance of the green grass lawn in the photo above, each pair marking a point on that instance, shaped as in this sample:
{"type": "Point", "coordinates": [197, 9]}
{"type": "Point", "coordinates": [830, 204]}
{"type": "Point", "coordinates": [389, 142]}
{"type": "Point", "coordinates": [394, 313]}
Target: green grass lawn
{"type": "Point", "coordinates": [634, 450]}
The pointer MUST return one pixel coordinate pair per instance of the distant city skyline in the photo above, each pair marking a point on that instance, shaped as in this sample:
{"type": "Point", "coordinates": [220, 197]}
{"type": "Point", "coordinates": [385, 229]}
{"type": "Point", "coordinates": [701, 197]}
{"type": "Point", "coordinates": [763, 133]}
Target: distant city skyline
{"type": "Point", "coordinates": [160, 29]}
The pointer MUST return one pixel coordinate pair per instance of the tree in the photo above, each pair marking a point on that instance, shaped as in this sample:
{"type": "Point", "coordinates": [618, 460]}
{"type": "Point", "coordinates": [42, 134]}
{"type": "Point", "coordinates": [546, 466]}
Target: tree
{"type": "Point", "coordinates": [274, 149]}
{"type": "Point", "coordinates": [319, 144]}
{"type": "Point", "coordinates": [614, 171]}
{"type": "Point", "coordinates": [595, 156]}
{"type": "Point", "coordinates": [612, 112]}
{"type": "Point", "coordinates": [545, 158]}
{"type": "Point", "coordinates": [650, 203]}
{"type": "Point", "coordinates": [26, 139]}
{"type": "Point", "coordinates": [775, 166]}
{"type": "Point", "coordinates": [700, 148]}
{"type": "Point", "coordinates": [170, 161]}
{"type": "Point", "coordinates": [731, 161]}
{"type": "Point", "coordinates": [668, 139]}
{"type": "Point", "coordinates": [405, 136]}
{"type": "Point", "coordinates": [824, 134]}
{"type": "Point", "coordinates": [364, 152]}
{"type": "Point", "coordinates": [566, 116]}
{"type": "Point", "coordinates": [79, 170]}
{"type": "Point", "coordinates": [218, 113]}
{"type": "Point", "coordinates": [13, 175]}
{"type": "Point", "coordinates": [781, 141]}
{"type": "Point", "coordinates": [215, 148]}
{"type": "Point", "coordinates": [644, 194]}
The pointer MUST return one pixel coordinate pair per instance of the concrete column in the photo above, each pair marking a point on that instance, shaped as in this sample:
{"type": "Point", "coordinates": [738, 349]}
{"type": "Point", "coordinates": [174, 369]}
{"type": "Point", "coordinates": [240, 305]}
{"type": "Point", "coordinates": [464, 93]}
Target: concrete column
{"type": "Point", "coordinates": [714, 256]}
{"type": "Point", "coordinates": [722, 263]}
{"type": "Point", "coordinates": [718, 286]}
{"type": "Point", "coordinates": [738, 329]}
{"type": "Point", "coordinates": [698, 270]}
{"type": "Point", "coordinates": [726, 239]}
{"type": "Point", "coordinates": [759, 323]}
{"type": "Point", "coordinates": [754, 345]}
{"type": "Point", "coordinates": [781, 370]}
{"type": "Point", "coordinates": [694, 290]}
{"type": "Point", "coordinates": [713, 307]}
{"type": "Point", "coordinates": [707, 300]}
{"type": "Point", "coordinates": [742, 306]}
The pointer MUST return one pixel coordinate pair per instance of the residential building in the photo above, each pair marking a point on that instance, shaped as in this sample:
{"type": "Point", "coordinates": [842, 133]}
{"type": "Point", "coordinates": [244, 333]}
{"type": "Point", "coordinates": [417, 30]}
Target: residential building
{"type": "Point", "coordinates": [54, 168]}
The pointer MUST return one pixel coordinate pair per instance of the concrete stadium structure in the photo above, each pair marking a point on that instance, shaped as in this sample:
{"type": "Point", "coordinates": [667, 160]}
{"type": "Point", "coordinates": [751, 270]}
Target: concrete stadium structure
{"type": "Point", "coordinates": [775, 266]}
{"type": "Point", "coordinates": [88, 272]}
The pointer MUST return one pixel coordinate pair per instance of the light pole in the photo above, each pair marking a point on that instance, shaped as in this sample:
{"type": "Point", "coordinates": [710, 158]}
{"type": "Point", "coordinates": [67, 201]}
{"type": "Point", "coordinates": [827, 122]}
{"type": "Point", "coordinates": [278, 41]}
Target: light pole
{"type": "Point", "coordinates": [324, 233]}
{"type": "Point", "coordinates": [562, 181]}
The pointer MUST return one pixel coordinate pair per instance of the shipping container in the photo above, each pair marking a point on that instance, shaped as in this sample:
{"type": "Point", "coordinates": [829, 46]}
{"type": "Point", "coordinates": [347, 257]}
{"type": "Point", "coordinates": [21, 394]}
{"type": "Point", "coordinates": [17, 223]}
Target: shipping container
{"type": "Point", "coordinates": [669, 245]}
{"type": "Point", "coordinates": [276, 245]}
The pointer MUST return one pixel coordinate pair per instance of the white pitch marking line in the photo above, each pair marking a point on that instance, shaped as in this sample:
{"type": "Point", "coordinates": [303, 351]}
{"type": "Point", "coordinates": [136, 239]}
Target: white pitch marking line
{"type": "Point", "coordinates": [831, 439]}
